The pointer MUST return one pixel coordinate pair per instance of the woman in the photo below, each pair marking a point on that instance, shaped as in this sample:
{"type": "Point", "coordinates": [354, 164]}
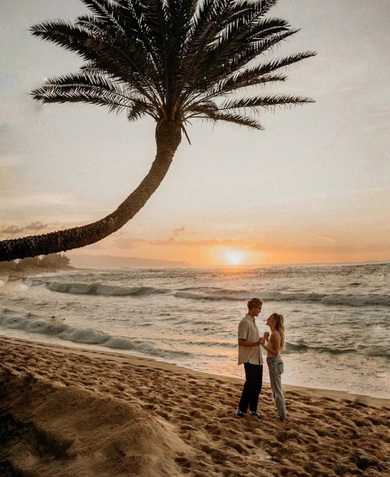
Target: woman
{"type": "Point", "coordinates": [274, 346]}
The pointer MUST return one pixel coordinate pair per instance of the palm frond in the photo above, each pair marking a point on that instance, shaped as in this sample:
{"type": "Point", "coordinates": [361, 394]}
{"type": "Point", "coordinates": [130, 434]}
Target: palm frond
{"type": "Point", "coordinates": [180, 22]}
{"type": "Point", "coordinates": [87, 88]}
{"type": "Point", "coordinates": [237, 119]}
{"type": "Point", "coordinates": [140, 108]}
{"type": "Point", "coordinates": [263, 6]}
{"type": "Point", "coordinates": [264, 102]}
{"type": "Point", "coordinates": [103, 9]}
{"type": "Point", "coordinates": [258, 75]}
{"type": "Point", "coordinates": [119, 57]}
{"type": "Point", "coordinates": [237, 82]}
{"type": "Point", "coordinates": [200, 109]}
{"type": "Point", "coordinates": [62, 33]}
{"type": "Point", "coordinates": [200, 35]}
{"type": "Point", "coordinates": [232, 55]}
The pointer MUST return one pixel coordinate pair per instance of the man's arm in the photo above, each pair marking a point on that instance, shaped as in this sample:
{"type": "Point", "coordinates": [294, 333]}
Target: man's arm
{"type": "Point", "coordinates": [247, 344]}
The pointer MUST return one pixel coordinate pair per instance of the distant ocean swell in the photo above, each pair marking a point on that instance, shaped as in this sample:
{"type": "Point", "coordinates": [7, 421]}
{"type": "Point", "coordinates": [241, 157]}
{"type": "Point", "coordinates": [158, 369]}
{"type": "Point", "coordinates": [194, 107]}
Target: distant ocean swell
{"type": "Point", "coordinates": [30, 323]}
{"type": "Point", "coordinates": [212, 294]}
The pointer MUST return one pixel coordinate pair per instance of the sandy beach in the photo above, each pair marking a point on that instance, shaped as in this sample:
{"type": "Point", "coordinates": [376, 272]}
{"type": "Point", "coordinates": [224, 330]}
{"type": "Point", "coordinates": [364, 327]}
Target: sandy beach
{"type": "Point", "coordinates": [71, 412]}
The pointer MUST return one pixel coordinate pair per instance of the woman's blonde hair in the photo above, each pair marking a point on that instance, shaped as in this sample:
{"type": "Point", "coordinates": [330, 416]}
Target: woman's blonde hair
{"type": "Point", "coordinates": [279, 327]}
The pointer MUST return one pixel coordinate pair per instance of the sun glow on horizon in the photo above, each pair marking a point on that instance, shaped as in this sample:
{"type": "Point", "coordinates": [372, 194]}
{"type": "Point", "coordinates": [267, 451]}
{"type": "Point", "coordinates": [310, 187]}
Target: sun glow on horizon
{"type": "Point", "coordinates": [232, 256]}
{"type": "Point", "coordinates": [235, 257]}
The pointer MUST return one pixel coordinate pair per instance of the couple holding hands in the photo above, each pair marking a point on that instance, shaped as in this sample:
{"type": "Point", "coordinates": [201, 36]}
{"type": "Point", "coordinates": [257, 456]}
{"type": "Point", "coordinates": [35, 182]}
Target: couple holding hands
{"type": "Point", "coordinates": [249, 354]}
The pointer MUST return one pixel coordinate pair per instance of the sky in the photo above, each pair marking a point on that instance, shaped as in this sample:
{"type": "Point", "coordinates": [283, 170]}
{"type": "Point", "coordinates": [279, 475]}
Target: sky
{"type": "Point", "coordinates": [313, 187]}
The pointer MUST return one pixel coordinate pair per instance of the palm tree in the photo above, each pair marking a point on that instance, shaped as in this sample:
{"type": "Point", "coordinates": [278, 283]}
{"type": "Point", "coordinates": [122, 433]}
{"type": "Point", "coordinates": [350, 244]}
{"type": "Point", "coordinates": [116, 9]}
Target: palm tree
{"type": "Point", "coordinates": [174, 60]}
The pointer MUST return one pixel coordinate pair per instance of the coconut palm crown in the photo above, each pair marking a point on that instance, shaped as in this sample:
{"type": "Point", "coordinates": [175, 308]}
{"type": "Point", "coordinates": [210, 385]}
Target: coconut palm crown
{"type": "Point", "coordinates": [173, 60]}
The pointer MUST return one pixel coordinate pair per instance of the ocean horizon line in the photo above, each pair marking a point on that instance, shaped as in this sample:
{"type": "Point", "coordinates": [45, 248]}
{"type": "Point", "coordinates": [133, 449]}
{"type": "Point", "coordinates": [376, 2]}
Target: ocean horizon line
{"type": "Point", "coordinates": [172, 264]}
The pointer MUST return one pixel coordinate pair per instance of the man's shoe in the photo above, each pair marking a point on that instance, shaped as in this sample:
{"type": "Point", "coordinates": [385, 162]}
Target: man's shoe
{"type": "Point", "coordinates": [239, 413]}
{"type": "Point", "coordinates": [255, 414]}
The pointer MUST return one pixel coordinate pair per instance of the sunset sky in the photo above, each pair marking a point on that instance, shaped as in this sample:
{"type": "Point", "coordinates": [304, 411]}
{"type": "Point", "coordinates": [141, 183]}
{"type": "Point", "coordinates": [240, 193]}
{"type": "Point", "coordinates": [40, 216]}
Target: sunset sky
{"type": "Point", "coordinates": [313, 187]}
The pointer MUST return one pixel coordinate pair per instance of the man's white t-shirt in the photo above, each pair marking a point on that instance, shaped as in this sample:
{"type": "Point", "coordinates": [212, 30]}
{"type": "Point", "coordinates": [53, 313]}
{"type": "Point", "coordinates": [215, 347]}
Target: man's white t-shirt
{"type": "Point", "coordinates": [247, 330]}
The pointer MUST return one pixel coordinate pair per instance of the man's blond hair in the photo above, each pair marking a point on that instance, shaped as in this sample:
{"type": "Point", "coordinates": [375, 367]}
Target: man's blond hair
{"type": "Point", "coordinates": [254, 302]}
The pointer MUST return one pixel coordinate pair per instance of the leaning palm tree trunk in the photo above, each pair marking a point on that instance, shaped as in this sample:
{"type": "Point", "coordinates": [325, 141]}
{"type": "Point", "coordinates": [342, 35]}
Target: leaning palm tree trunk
{"type": "Point", "coordinates": [168, 138]}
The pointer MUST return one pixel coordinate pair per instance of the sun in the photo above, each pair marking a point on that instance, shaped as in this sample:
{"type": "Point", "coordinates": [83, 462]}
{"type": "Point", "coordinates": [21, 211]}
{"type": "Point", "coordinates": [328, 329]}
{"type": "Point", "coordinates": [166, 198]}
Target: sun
{"type": "Point", "coordinates": [235, 257]}
{"type": "Point", "coordinates": [231, 256]}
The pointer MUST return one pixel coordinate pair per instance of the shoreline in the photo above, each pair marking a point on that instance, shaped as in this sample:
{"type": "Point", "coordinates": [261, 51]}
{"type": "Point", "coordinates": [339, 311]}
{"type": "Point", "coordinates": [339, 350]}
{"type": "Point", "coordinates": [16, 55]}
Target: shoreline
{"type": "Point", "coordinates": [71, 411]}
{"type": "Point", "coordinates": [156, 364]}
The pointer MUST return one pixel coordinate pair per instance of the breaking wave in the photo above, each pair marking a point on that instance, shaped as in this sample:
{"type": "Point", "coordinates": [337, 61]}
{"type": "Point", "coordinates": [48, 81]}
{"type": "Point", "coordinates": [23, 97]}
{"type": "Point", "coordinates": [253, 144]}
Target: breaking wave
{"type": "Point", "coordinates": [33, 324]}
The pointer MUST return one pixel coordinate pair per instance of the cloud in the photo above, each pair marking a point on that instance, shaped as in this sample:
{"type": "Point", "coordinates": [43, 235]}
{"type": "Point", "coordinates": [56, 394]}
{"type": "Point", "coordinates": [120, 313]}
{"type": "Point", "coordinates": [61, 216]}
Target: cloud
{"type": "Point", "coordinates": [329, 240]}
{"type": "Point", "coordinates": [178, 231]}
{"type": "Point", "coordinates": [124, 243]}
{"type": "Point", "coordinates": [11, 231]}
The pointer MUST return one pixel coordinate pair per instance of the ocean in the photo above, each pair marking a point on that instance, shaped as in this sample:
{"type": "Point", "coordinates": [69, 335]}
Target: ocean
{"type": "Point", "coordinates": [337, 317]}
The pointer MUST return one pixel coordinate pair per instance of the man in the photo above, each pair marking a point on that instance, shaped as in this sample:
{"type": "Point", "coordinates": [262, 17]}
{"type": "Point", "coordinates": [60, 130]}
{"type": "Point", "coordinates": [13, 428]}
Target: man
{"type": "Point", "coordinates": [249, 354]}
